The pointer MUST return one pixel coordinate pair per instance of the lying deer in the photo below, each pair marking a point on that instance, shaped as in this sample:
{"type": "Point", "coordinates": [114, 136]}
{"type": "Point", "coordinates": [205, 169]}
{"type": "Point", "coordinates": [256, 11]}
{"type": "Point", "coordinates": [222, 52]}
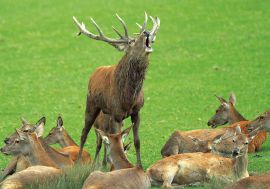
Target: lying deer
{"type": "Point", "coordinates": [227, 113]}
{"type": "Point", "coordinates": [252, 182]}
{"type": "Point", "coordinates": [125, 176]}
{"type": "Point", "coordinates": [261, 123]}
{"type": "Point", "coordinates": [30, 176]}
{"type": "Point", "coordinates": [117, 90]}
{"type": "Point", "coordinates": [190, 168]}
{"type": "Point", "coordinates": [19, 162]}
{"type": "Point", "coordinates": [59, 135]}
{"type": "Point", "coordinates": [199, 140]}
{"type": "Point", "coordinates": [30, 146]}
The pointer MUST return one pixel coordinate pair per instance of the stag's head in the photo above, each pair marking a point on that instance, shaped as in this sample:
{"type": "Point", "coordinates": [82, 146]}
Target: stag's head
{"type": "Point", "coordinates": [27, 127]}
{"type": "Point", "coordinates": [261, 123]}
{"type": "Point", "coordinates": [141, 44]}
{"type": "Point", "coordinates": [222, 114]}
{"type": "Point", "coordinates": [231, 144]}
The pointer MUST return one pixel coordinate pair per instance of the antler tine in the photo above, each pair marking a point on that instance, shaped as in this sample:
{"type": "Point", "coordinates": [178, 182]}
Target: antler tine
{"type": "Point", "coordinates": [145, 22]}
{"type": "Point", "coordinates": [118, 33]}
{"type": "Point", "coordinates": [156, 24]}
{"type": "Point", "coordinates": [83, 30]}
{"type": "Point", "coordinates": [123, 24]}
{"type": "Point", "coordinates": [97, 27]}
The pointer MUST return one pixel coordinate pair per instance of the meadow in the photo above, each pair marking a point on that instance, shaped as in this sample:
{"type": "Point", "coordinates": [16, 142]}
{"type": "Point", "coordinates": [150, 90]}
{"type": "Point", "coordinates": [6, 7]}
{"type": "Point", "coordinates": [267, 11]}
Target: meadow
{"type": "Point", "coordinates": [202, 48]}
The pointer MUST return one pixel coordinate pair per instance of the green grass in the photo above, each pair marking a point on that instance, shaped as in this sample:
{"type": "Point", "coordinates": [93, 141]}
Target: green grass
{"type": "Point", "coordinates": [203, 48]}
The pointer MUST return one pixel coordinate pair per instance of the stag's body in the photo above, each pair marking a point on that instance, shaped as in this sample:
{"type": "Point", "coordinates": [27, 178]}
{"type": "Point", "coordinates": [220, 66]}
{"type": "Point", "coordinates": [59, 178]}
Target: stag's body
{"type": "Point", "coordinates": [227, 113]}
{"type": "Point", "coordinates": [126, 176]}
{"type": "Point", "coordinates": [30, 176]}
{"type": "Point", "coordinates": [117, 90]}
{"type": "Point", "coordinates": [190, 168]}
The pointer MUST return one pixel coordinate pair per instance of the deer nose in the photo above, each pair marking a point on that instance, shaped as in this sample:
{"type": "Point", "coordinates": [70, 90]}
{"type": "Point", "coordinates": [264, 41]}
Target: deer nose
{"type": "Point", "coordinates": [6, 140]}
{"type": "Point", "coordinates": [235, 152]}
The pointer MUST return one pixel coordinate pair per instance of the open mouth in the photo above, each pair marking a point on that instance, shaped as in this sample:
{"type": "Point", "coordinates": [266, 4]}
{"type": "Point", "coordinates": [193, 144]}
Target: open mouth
{"type": "Point", "coordinates": [148, 45]}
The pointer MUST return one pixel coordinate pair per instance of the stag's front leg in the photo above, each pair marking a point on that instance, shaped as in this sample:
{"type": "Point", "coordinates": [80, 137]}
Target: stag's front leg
{"type": "Point", "coordinates": [135, 118]}
{"type": "Point", "coordinates": [91, 113]}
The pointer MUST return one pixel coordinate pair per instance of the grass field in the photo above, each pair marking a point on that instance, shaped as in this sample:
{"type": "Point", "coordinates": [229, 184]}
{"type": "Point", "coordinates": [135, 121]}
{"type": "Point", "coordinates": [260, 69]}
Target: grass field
{"type": "Point", "coordinates": [203, 48]}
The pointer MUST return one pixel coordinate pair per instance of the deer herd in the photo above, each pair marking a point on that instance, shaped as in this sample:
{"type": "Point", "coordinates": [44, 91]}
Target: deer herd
{"type": "Point", "coordinates": [116, 93]}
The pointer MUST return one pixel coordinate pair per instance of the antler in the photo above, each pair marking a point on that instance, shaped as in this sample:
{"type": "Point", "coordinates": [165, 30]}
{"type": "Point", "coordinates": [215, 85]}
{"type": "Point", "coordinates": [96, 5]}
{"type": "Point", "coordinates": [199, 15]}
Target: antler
{"type": "Point", "coordinates": [120, 44]}
{"type": "Point", "coordinates": [156, 24]}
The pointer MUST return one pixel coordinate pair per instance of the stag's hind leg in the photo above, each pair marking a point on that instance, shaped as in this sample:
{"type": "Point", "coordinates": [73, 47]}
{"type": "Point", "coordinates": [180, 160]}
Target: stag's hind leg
{"type": "Point", "coordinates": [91, 113]}
{"type": "Point", "coordinates": [135, 118]}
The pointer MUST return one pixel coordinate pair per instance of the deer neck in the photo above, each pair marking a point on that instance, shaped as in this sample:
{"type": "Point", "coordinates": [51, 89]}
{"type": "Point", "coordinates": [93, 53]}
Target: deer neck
{"type": "Point", "coordinates": [129, 75]}
{"type": "Point", "coordinates": [240, 166]}
{"type": "Point", "coordinates": [38, 155]}
{"type": "Point", "coordinates": [119, 160]}
{"type": "Point", "coordinates": [66, 140]}
{"type": "Point", "coordinates": [235, 116]}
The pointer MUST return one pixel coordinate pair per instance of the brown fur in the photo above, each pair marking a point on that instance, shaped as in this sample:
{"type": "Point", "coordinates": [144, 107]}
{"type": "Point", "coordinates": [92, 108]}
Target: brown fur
{"type": "Point", "coordinates": [125, 176]}
{"type": "Point", "coordinates": [73, 152]}
{"type": "Point", "coordinates": [252, 182]}
{"type": "Point", "coordinates": [227, 113]}
{"type": "Point", "coordinates": [30, 176]}
{"type": "Point", "coordinates": [117, 90]}
{"type": "Point", "coordinates": [190, 168]}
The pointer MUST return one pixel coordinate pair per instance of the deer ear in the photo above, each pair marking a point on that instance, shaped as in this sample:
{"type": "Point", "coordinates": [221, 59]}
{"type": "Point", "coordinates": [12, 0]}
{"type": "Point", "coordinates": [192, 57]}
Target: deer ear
{"type": "Point", "coordinates": [232, 99]}
{"type": "Point", "coordinates": [127, 147]}
{"type": "Point", "coordinates": [60, 122]}
{"type": "Point", "coordinates": [125, 132]}
{"type": "Point", "coordinates": [24, 121]}
{"type": "Point", "coordinates": [238, 130]}
{"type": "Point", "coordinates": [39, 127]}
{"type": "Point", "coordinates": [222, 100]}
{"type": "Point", "coordinates": [103, 135]}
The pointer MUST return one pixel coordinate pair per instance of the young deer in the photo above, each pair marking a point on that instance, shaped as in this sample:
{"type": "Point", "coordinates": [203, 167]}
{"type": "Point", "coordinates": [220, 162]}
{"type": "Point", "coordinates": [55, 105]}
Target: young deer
{"type": "Point", "coordinates": [190, 168]}
{"type": "Point", "coordinates": [20, 162]}
{"type": "Point", "coordinates": [125, 175]}
{"type": "Point", "coordinates": [59, 135]}
{"type": "Point", "coordinates": [117, 90]}
{"type": "Point", "coordinates": [227, 113]}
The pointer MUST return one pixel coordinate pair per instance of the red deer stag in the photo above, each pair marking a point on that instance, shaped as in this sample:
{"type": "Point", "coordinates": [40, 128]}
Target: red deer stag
{"type": "Point", "coordinates": [125, 175]}
{"type": "Point", "coordinates": [190, 168]}
{"type": "Point", "coordinates": [59, 135]}
{"type": "Point", "coordinates": [227, 113]}
{"type": "Point", "coordinates": [117, 90]}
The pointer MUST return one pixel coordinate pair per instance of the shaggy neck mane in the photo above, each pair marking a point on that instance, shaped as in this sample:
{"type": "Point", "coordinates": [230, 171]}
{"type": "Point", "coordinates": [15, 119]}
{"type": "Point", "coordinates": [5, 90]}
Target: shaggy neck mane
{"type": "Point", "coordinates": [130, 73]}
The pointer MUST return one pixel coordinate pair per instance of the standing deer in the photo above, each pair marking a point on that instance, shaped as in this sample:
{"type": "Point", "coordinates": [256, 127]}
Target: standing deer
{"type": "Point", "coordinates": [59, 135]}
{"type": "Point", "coordinates": [125, 174]}
{"type": "Point", "coordinates": [227, 113]}
{"type": "Point", "coordinates": [190, 168]}
{"type": "Point", "coordinates": [117, 90]}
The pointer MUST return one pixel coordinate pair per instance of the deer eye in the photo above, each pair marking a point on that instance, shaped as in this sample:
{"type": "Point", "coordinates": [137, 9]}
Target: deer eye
{"type": "Point", "coordinates": [26, 130]}
{"type": "Point", "coordinates": [246, 143]}
{"type": "Point", "coordinates": [17, 141]}
{"type": "Point", "coordinates": [233, 140]}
